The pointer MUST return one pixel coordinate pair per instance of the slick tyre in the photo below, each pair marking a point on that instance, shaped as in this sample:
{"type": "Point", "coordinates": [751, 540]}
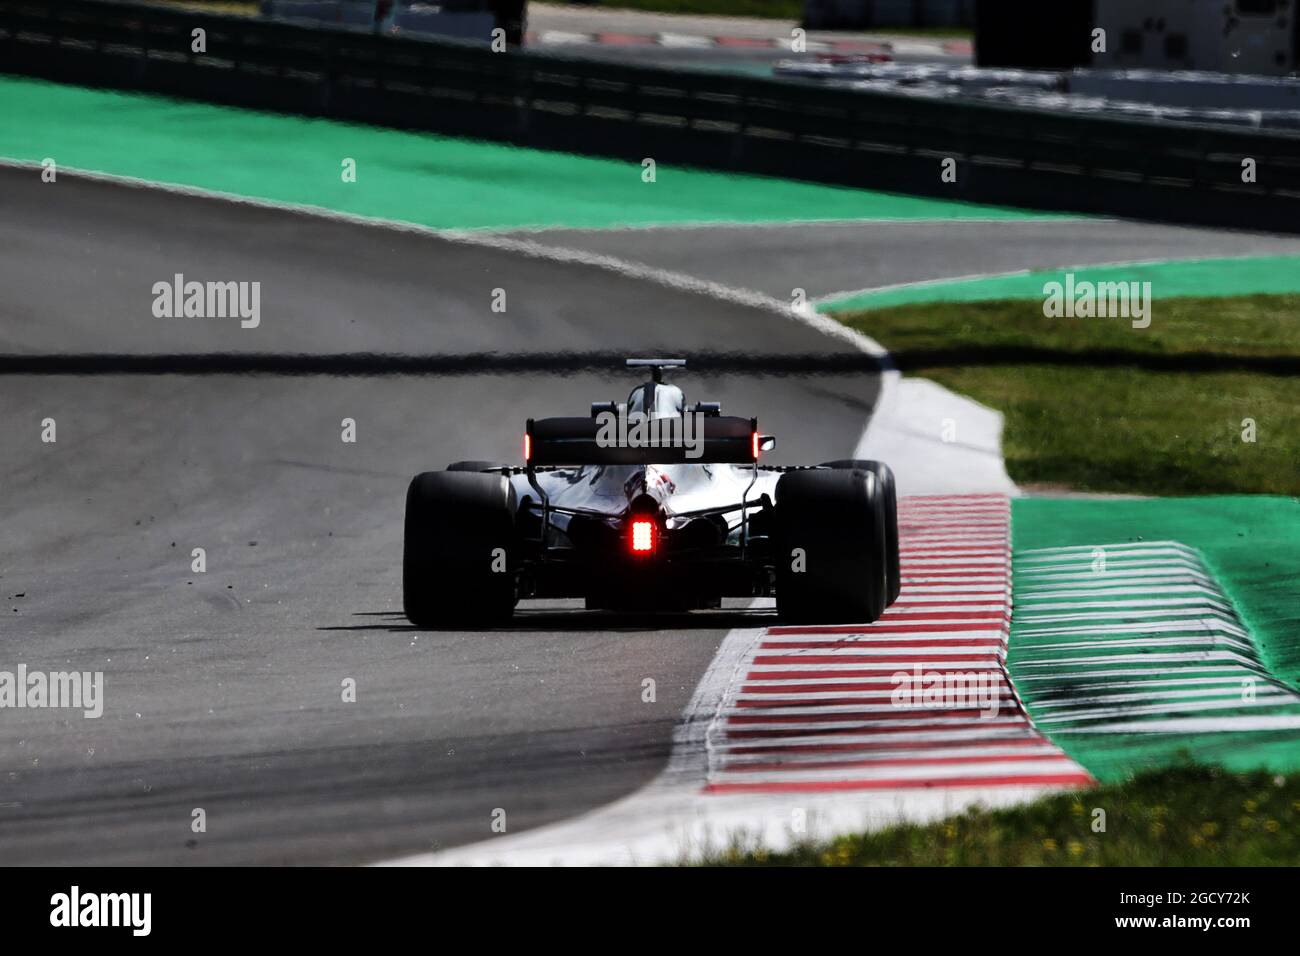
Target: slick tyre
{"type": "Point", "coordinates": [458, 554]}
{"type": "Point", "coordinates": [885, 475]}
{"type": "Point", "coordinates": [831, 547]}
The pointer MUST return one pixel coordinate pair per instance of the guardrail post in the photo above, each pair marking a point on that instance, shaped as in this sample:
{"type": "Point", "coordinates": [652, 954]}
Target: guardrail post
{"type": "Point", "coordinates": [324, 95]}
{"type": "Point", "coordinates": [521, 103]}
{"type": "Point", "coordinates": [737, 152]}
{"type": "Point", "coordinates": [142, 64]}
{"type": "Point", "coordinates": [1199, 168]}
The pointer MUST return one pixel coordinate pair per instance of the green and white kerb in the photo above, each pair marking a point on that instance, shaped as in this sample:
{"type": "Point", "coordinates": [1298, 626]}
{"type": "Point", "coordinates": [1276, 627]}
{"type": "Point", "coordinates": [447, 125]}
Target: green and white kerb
{"type": "Point", "coordinates": [1137, 639]}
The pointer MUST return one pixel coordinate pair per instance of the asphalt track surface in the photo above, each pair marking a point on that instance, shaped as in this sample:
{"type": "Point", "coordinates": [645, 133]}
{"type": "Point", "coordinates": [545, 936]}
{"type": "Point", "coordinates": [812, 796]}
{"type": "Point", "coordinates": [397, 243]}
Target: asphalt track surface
{"type": "Point", "coordinates": [834, 257]}
{"type": "Point", "coordinates": [223, 689]}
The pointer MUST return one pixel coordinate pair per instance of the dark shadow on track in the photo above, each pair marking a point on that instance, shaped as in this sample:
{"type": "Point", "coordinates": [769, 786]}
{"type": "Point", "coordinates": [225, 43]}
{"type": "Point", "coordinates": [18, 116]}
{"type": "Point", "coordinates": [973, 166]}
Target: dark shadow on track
{"type": "Point", "coordinates": [1001, 355]}
{"type": "Point", "coordinates": [490, 363]}
{"type": "Point", "coordinates": [382, 364]}
{"type": "Point", "coordinates": [581, 620]}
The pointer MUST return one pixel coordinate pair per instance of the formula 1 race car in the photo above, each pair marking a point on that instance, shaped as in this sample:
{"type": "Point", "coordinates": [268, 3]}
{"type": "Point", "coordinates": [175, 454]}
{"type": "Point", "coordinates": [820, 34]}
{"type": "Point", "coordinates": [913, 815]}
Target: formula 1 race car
{"type": "Point", "coordinates": [647, 506]}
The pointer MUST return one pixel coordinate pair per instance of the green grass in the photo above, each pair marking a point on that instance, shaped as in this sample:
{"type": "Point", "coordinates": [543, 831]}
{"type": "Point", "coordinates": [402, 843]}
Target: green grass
{"type": "Point", "coordinates": [1189, 816]}
{"type": "Point", "coordinates": [1125, 429]}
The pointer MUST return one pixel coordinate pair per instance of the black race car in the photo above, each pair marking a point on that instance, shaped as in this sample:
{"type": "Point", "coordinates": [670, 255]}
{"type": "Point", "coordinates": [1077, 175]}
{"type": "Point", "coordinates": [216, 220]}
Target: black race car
{"type": "Point", "coordinates": [650, 505]}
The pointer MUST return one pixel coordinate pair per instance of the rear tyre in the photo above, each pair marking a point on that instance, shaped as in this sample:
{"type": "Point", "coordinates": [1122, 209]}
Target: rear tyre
{"type": "Point", "coordinates": [831, 547]}
{"type": "Point", "coordinates": [457, 560]}
{"type": "Point", "coordinates": [885, 475]}
{"type": "Point", "coordinates": [473, 465]}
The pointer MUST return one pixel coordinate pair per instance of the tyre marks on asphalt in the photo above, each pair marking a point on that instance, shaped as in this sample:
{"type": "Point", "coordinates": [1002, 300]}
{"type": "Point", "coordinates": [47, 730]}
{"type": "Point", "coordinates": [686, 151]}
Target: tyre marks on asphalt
{"type": "Point", "coordinates": [1138, 638]}
{"type": "Point", "coordinates": [818, 707]}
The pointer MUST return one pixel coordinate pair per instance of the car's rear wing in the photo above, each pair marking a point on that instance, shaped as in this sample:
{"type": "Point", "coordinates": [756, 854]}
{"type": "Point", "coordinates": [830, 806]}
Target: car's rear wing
{"type": "Point", "coordinates": [690, 439]}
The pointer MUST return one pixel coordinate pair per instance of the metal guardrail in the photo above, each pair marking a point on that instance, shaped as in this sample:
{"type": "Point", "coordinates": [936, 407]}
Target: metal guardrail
{"type": "Point", "coordinates": [466, 19]}
{"type": "Point", "coordinates": [352, 13]}
{"type": "Point", "coordinates": [1005, 154]}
